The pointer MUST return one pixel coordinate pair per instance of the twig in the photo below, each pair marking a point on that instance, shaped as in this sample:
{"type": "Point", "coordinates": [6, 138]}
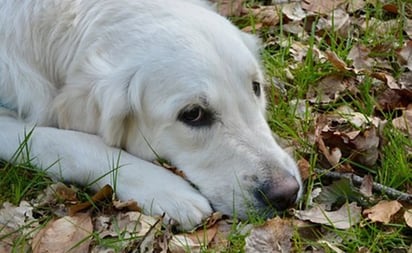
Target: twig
{"type": "Point", "coordinates": [357, 180]}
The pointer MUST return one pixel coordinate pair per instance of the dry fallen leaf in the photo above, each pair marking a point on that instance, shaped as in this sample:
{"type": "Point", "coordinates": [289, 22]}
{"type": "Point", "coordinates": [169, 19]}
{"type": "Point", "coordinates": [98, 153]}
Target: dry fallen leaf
{"type": "Point", "coordinates": [105, 193]}
{"type": "Point", "coordinates": [229, 7]}
{"type": "Point", "coordinates": [366, 186]}
{"type": "Point", "coordinates": [8, 239]}
{"type": "Point", "coordinates": [321, 6]}
{"type": "Point", "coordinates": [133, 226]}
{"type": "Point", "coordinates": [405, 83]}
{"type": "Point", "coordinates": [405, 55]}
{"type": "Point", "coordinates": [345, 217]}
{"type": "Point", "coordinates": [67, 234]}
{"type": "Point", "coordinates": [336, 61]}
{"type": "Point", "coordinates": [328, 89]}
{"type": "Point", "coordinates": [408, 28]}
{"type": "Point", "coordinates": [294, 11]}
{"type": "Point", "coordinates": [298, 51]}
{"type": "Point", "coordinates": [366, 147]}
{"type": "Point", "coordinates": [273, 236]}
{"type": "Point", "coordinates": [332, 246]}
{"type": "Point", "coordinates": [404, 122]}
{"type": "Point", "coordinates": [56, 192]}
{"type": "Point", "coordinates": [304, 168]}
{"type": "Point", "coordinates": [130, 205]}
{"type": "Point", "coordinates": [356, 5]}
{"type": "Point", "coordinates": [361, 61]}
{"type": "Point", "coordinates": [267, 15]}
{"type": "Point", "coordinates": [16, 217]}
{"type": "Point", "coordinates": [339, 22]}
{"type": "Point", "coordinates": [192, 242]}
{"type": "Point", "coordinates": [354, 134]}
{"type": "Point", "coordinates": [171, 168]}
{"type": "Point", "coordinates": [392, 99]}
{"type": "Point", "coordinates": [383, 211]}
{"type": "Point", "coordinates": [408, 217]}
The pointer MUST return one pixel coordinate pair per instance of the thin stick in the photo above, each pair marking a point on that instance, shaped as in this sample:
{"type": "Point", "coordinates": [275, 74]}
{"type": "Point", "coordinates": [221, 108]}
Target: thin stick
{"type": "Point", "coordinates": [357, 180]}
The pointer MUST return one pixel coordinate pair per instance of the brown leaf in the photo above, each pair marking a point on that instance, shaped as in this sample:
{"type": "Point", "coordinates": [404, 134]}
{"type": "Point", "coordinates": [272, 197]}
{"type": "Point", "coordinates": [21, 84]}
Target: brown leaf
{"type": "Point", "coordinates": [339, 22]}
{"type": "Point", "coordinates": [405, 83]}
{"type": "Point", "coordinates": [212, 219]}
{"type": "Point", "coordinates": [345, 217]}
{"type": "Point", "coordinates": [267, 15]}
{"type": "Point", "coordinates": [252, 28]}
{"type": "Point", "coordinates": [387, 78]}
{"type": "Point", "coordinates": [361, 61]}
{"type": "Point", "coordinates": [366, 147]}
{"type": "Point", "coordinates": [105, 193]}
{"type": "Point", "coordinates": [67, 234]}
{"type": "Point", "coordinates": [192, 242]}
{"type": "Point", "coordinates": [273, 236]}
{"type": "Point", "coordinates": [294, 11]}
{"type": "Point", "coordinates": [220, 242]}
{"type": "Point", "coordinates": [8, 239]}
{"type": "Point", "coordinates": [392, 8]}
{"type": "Point", "coordinates": [408, 28]}
{"type": "Point", "coordinates": [336, 61]}
{"type": "Point", "coordinates": [304, 168]}
{"type": "Point", "coordinates": [354, 134]}
{"type": "Point", "coordinates": [367, 185]}
{"type": "Point", "coordinates": [298, 51]}
{"type": "Point", "coordinates": [134, 227]}
{"type": "Point", "coordinates": [383, 211]}
{"type": "Point", "coordinates": [321, 6]}
{"type": "Point", "coordinates": [405, 55]}
{"type": "Point", "coordinates": [404, 122]}
{"type": "Point", "coordinates": [328, 89]}
{"type": "Point", "coordinates": [171, 168]}
{"type": "Point", "coordinates": [380, 27]}
{"type": "Point", "coordinates": [16, 217]}
{"type": "Point", "coordinates": [130, 205]}
{"type": "Point", "coordinates": [229, 7]}
{"type": "Point", "coordinates": [392, 99]}
{"type": "Point", "coordinates": [356, 5]}
{"type": "Point", "coordinates": [408, 217]}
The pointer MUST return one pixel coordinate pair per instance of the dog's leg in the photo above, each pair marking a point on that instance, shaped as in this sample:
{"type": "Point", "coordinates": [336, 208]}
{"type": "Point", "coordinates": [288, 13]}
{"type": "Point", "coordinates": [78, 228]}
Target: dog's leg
{"type": "Point", "coordinates": [82, 158]}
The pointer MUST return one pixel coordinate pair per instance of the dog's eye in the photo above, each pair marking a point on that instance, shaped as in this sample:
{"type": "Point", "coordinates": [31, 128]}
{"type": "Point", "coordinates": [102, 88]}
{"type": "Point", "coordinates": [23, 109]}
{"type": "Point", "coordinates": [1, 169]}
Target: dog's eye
{"type": "Point", "coordinates": [256, 88]}
{"type": "Point", "coordinates": [196, 116]}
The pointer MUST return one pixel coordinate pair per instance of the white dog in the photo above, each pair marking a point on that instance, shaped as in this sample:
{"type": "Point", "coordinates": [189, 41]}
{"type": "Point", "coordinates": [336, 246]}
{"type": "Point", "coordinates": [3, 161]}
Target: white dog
{"type": "Point", "coordinates": [155, 77]}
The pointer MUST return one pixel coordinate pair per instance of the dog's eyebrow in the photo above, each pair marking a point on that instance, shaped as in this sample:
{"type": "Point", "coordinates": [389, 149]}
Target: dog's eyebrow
{"type": "Point", "coordinates": [204, 101]}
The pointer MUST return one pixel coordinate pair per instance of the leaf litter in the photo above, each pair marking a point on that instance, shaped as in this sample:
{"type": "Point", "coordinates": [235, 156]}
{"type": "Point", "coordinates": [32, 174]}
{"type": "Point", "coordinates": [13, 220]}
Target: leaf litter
{"type": "Point", "coordinates": [340, 135]}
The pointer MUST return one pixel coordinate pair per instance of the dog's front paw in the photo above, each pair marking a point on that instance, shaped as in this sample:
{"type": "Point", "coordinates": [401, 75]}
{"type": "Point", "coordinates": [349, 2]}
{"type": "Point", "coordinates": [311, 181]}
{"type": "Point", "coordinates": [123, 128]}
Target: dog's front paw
{"type": "Point", "coordinates": [188, 208]}
{"type": "Point", "coordinates": [174, 198]}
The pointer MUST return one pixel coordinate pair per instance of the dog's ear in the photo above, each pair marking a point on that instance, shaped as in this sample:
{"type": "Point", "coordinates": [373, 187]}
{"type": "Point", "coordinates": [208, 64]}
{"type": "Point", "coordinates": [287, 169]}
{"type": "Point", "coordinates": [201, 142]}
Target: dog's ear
{"type": "Point", "coordinates": [75, 109]}
{"type": "Point", "coordinates": [103, 109]}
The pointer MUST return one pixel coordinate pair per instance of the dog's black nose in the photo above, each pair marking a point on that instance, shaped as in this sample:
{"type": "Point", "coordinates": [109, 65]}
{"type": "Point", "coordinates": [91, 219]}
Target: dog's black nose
{"type": "Point", "coordinates": [279, 193]}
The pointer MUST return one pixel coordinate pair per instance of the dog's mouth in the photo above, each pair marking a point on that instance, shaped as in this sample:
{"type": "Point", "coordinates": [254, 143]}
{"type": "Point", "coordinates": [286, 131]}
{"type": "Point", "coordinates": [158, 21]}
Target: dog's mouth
{"type": "Point", "coordinates": [265, 201]}
{"type": "Point", "coordinates": [266, 198]}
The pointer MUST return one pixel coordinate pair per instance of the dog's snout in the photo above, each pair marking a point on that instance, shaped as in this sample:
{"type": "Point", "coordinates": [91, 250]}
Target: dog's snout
{"type": "Point", "coordinates": [280, 193]}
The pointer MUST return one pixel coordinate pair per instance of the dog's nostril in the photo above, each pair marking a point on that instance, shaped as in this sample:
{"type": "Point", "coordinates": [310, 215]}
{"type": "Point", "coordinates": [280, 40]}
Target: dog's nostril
{"type": "Point", "coordinates": [279, 194]}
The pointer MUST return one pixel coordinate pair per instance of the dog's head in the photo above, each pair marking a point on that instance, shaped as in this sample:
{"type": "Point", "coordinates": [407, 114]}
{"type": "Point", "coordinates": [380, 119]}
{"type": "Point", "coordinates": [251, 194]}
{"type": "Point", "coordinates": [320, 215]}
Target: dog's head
{"type": "Point", "coordinates": [199, 102]}
{"type": "Point", "coordinates": [196, 98]}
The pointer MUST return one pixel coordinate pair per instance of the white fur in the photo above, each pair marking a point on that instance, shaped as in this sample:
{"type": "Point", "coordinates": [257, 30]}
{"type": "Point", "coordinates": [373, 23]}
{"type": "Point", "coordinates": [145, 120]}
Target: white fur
{"type": "Point", "coordinates": [116, 74]}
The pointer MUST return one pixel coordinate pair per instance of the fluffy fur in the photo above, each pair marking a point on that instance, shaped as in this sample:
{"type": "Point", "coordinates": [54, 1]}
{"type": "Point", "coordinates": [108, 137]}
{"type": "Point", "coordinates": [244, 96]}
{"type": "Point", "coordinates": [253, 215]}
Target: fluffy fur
{"type": "Point", "coordinates": [99, 76]}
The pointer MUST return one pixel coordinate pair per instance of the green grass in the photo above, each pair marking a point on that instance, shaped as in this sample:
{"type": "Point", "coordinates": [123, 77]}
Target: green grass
{"type": "Point", "coordinates": [394, 167]}
{"type": "Point", "coordinates": [21, 180]}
